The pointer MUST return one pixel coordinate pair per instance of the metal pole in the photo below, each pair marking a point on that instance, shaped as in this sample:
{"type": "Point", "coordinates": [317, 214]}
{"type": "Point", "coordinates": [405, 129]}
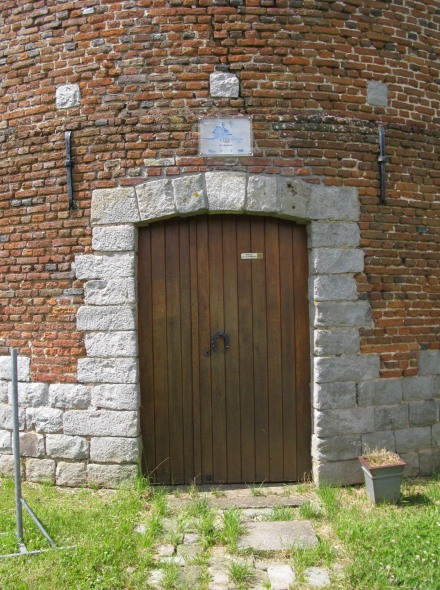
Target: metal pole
{"type": "Point", "coordinates": [382, 160]}
{"type": "Point", "coordinates": [16, 448]}
{"type": "Point", "coordinates": [69, 166]}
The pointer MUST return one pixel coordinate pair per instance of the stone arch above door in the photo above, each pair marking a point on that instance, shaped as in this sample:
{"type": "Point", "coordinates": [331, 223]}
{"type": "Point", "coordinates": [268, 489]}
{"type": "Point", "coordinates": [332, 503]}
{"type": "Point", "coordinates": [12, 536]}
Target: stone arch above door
{"type": "Point", "coordinates": [225, 192]}
{"type": "Point", "coordinates": [109, 316]}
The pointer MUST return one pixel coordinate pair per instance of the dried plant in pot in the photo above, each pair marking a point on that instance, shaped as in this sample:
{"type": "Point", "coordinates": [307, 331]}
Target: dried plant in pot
{"type": "Point", "coordinates": [383, 475]}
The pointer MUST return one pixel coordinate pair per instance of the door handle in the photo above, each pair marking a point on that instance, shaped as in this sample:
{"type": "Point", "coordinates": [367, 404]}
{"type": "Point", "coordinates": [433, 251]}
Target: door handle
{"type": "Point", "coordinates": [213, 347]}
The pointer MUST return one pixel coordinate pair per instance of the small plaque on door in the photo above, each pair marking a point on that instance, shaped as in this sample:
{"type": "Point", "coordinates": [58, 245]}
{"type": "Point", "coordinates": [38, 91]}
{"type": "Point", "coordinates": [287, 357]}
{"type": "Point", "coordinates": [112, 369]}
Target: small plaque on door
{"type": "Point", "coordinates": [251, 255]}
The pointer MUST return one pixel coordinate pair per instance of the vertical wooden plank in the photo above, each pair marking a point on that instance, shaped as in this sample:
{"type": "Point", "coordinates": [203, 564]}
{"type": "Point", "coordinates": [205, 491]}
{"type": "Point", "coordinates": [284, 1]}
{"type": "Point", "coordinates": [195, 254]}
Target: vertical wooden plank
{"type": "Point", "coordinates": [204, 323]}
{"type": "Point", "coordinates": [288, 357]}
{"type": "Point", "coordinates": [146, 365]}
{"type": "Point", "coordinates": [186, 351]}
{"type": "Point", "coordinates": [173, 351]}
{"type": "Point", "coordinates": [230, 289]}
{"type": "Point", "coordinates": [160, 357]}
{"type": "Point", "coordinates": [302, 344]}
{"type": "Point", "coordinates": [217, 324]}
{"type": "Point", "coordinates": [245, 352]}
{"type": "Point", "coordinates": [196, 350]}
{"type": "Point", "coordinates": [274, 381]}
{"type": "Point", "coordinates": [259, 306]}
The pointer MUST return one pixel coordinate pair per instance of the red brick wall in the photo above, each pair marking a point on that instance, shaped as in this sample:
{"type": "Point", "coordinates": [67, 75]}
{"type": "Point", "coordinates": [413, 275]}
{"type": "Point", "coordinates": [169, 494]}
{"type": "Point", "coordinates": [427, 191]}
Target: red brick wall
{"type": "Point", "coordinates": [143, 69]}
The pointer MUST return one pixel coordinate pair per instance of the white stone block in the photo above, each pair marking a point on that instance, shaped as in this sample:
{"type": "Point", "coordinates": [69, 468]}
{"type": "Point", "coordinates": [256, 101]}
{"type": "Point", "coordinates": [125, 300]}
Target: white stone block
{"type": "Point", "coordinates": [413, 439]}
{"type": "Point", "coordinates": [40, 470]}
{"type": "Point", "coordinates": [417, 388]}
{"type": "Point", "coordinates": [114, 238]}
{"type": "Point", "coordinates": [336, 448]}
{"type": "Point", "coordinates": [379, 440]}
{"type": "Point", "coordinates": [114, 206]}
{"type": "Point", "coordinates": [429, 362]}
{"type": "Point", "coordinates": [23, 368]}
{"type": "Point", "coordinates": [224, 84]}
{"type": "Point", "coordinates": [377, 93]}
{"type": "Point", "coordinates": [4, 385]}
{"type": "Point", "coordinates": [7, 465]}
{"type": "Point", "coordinates": [338, 472]}
{"type": "Point", "coordinates": [110, 292]}
{"type": "Point", "coordinates": [44, 420]}
{"type": "Point", "coordinates": [105, 266]}
{"type": "Point", "coordinates": [336, 341]}
{"type": "Point", "coordinates": [423, 413]}
{"type": "Point", "coordinates": [337, 260]}
{"type": "Point", "coordinates": [69, 395]}
{"type": "Point", "coordinates": [5, 441]}
{"type": "Point", "coordinates": [67, 96]}
{"type": "Point", "coordinates": [189, 193]}
{"type": "Point", "coordinates": [71, 474]}
{"type": "Point", "coordinates": [330, 396]}
{"type": "Point", "coordinates": [262, 194]}
{"type": "Point", "coordinates": [294, 197]}
{"type": "Point", "coordinates": [6, 417]}
{"type": "Point", "coordinates": [155, 200]}
{"type": "Point", "coordinates": [106, 318]}
{"type": "Point", "coordinates": [346, 421]}
{"type": "Point", "coordinates": [333, 203]}
{"type": "Point", "coordinates": [114, 450]}
{"type": "Point", "coordinates": [31, 394]}
{"type": "Point", "coordinates": [61, 446]}
{"type": "Point", "coordinates": [342, 313]}
{"type": "Point", "coordinates": [346, 368]}
{"type": "Point", "coordinates": [226, 191]}
{"type": "Point", "coordinates": [334, 234]}
{"type": "Point", "coordinates": [334, 287]}
{"type": "Point", "coordinates": [391, 417]}
{"type": "Point", "coordinates": [101, 423]}
{"type": "Point", "coordinates": [31, 444]}
{"type": "Point", "coordinates": [380, 392]}
{"type": "Point", "coordinates": [99, 370]}
{"type": "Point", "coordinates": [111, 344]}
{"type": "Point", "coordinates": [116, 397]}
{"type": "Point", "coordinates": [110, 476]}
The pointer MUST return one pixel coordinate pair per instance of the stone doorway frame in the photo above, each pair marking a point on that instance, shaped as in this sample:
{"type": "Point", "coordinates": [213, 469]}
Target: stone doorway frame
{"type": "Point", "coordinates": [109, 316]}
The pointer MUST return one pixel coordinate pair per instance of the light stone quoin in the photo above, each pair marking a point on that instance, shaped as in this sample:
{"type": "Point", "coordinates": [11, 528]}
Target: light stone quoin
{"type": "Point", "coordinates": [88, 432]}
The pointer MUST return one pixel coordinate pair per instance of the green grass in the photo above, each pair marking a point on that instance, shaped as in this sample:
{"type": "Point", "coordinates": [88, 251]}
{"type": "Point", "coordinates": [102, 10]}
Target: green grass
{"type": "Point", "coordinates": [365, 547]}
{"type": "Point", "coordinates": [389, 546]}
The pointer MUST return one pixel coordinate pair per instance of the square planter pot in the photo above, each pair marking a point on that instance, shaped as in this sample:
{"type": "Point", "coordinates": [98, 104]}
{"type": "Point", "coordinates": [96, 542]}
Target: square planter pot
{"type": "Point", "coordinates": [383, 482]}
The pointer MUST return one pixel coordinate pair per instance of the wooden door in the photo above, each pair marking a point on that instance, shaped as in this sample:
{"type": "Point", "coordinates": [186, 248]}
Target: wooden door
{"type": "Point", "coordinates": [234, 408]}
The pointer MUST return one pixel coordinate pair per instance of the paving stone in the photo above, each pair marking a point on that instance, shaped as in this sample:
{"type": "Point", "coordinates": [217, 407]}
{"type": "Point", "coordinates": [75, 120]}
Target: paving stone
{"type": "Point", "coordinates": [173, 559]}
{"type": "Point", "coordinates": [141, 529]}
{"type": "Point", "coordinates": [317, 577]}
{"type": "Point", "coordinates": [255, 513]}
{"type": "Point", "coordinates": [191, 538]}
{"type": "Point", "coordinates": [155, 578]}
{"type": "Point", "coordinates": [189, 552]}
{"type": "Point", "coordinates": [277, 536]}
{"type": "Point", "coordinates": [165, 550]}
{"type": "Point", "coordinates": [248, 500]}
{"type": "Point", "coordinates": [190, 575]}
{"type": "Point", "coordinates": [169, 524]}
{"type": "Point", "coordinates": [281, 577]}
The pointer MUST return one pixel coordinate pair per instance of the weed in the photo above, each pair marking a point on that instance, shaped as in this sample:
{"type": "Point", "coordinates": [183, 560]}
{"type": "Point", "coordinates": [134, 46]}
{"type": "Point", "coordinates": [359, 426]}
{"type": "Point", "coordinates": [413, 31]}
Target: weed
{"type": "Point", "coordinates": [257, 489]}
{"type": "Point", "coordinates": [281, 513]}
{"type": "Point", "coordinates": [170, 578]}
{"type": "Point", "coordinates": [241, 574]}
{"type": "Point", "coordinates": [232, 528]}
{"type": "Point", "coordinates": [329, 497]}
{"type": "Point", "coordinates": [311, 510]}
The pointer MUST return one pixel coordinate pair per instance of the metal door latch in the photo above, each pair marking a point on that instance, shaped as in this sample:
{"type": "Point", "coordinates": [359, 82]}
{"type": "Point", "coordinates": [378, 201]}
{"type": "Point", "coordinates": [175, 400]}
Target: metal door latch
{"type": "Point", "coordinates": [214, 339]}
